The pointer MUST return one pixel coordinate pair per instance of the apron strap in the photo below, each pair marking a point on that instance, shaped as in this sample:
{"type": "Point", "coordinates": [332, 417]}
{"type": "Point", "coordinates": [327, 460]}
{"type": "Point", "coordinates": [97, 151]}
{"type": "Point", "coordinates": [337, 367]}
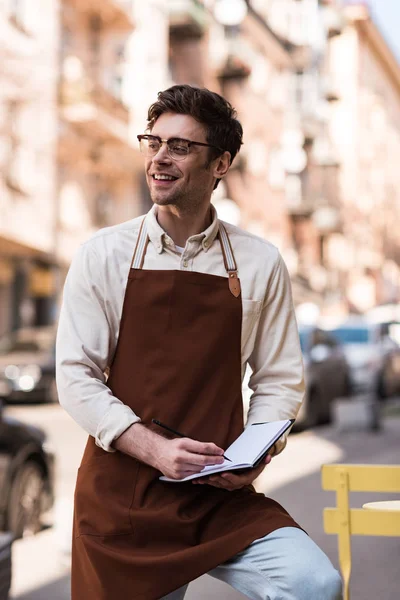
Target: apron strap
{"type": "Point", "coordinates": [141, 247]}
{"type": "Point", "coordinates": [229, 261]}
{"type": "Point", "coordinates": [227, 253]}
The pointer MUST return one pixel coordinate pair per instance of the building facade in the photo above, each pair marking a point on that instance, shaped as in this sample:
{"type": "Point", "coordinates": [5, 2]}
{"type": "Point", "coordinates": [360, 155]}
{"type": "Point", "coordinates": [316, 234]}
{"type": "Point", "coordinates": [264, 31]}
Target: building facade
{"type": "Point", "coordinates": [317, 91]}
{"type": "Point", "coordinates": [365, 127]}
{"type": "Point", "coordinates": [75, 81]}
{"type": "Point", "coordinates": [97, 157]}
{"type": "Point", "coordinates": [28, 145]}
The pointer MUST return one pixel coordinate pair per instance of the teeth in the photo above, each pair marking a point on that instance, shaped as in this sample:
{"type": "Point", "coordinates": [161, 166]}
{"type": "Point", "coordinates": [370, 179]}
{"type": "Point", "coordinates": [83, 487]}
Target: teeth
{"type": "Point", "coordinates": [166, 177]}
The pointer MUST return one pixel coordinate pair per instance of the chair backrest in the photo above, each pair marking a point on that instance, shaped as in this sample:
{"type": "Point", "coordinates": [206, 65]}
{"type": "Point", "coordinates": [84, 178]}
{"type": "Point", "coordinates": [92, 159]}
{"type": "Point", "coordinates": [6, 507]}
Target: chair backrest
{"type": "Point", "coordinates": [345, 521]}
{"type": "Point", "coordinates": [363, 478]}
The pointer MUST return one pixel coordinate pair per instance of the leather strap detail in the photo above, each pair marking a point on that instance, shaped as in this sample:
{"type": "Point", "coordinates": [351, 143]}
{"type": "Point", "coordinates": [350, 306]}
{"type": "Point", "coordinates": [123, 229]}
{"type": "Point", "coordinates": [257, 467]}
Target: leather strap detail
{"type": "Point", "coordinates": [234, 283]}
{"type": "Point", "coordinates": [229, 261]}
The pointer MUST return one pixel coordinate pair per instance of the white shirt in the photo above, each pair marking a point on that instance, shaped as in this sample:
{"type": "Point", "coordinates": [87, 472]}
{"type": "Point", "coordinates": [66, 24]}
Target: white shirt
{"type": "Point", "coordinates": [92, 306]}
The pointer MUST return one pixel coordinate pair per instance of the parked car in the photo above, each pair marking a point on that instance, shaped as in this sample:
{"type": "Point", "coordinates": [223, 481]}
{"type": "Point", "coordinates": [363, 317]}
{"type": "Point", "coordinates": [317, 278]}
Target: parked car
{"type": "Point", "coordinates": [26, 476]}
{"type": "Point", "coordinates": [327, 375]}
{"type": "Point", "coordinates": [6, 540]}
{"type": "Point", "coordinates": [373, 354]}
{"type": "Point", "coordinates": [27, 365]}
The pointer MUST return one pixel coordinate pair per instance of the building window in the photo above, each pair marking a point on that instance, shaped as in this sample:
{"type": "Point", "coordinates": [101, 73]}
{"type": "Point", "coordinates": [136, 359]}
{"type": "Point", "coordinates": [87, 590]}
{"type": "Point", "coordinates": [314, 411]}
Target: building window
{"type": "Point", "coordinates": [18, 164]}
{"type": "Point", "coordinates": [17, 13]}
{"type": "Point", "coordinates": [67, 44]}
{"type": "Point", "coordinates": [14, 145]}
{"type": "Point", "coordinates": [95, 43]}
{"type": "Point", "coordinates": [13, 112]}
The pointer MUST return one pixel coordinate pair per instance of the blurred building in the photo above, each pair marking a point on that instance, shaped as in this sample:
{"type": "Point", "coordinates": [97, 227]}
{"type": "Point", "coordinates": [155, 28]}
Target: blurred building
{"type": "Point", "coordinates": [307, 155]}
{"type": "Point", "coordinates": [75, 77]}
{"type": "Point", "coordinates": [365, 128]}
{"type": "Point", "coordinates": [97, 157]}
{"type": "Point", "coordinates": [28, 145]}
{"type": "Point", "coordinates": [317, 91]}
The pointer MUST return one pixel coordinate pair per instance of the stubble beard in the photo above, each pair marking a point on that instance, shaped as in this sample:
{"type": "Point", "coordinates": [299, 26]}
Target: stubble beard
{"type": "Point", "coordinates": [185, 204]}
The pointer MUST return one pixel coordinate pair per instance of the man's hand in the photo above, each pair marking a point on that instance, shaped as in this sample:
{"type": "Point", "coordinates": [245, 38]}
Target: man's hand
{"type": "Point", "coordinates": [176, 458]}
{"type": "Point", "coordinates": [231, 480]}
{"type": "Point", "coordinates": [182, 457]}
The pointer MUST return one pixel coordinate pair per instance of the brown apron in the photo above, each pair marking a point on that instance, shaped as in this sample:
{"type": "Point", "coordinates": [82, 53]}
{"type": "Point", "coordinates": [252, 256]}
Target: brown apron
{"type": "Point", "coordinates": [178, 359]}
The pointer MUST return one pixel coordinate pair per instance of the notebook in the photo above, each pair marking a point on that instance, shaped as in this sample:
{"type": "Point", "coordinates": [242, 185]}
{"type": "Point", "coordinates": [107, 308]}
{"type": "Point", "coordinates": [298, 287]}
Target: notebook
{"type": "Point", "coordinates": [247, 451]}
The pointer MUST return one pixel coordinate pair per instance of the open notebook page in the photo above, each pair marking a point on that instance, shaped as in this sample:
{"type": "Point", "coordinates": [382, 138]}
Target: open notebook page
{"type": "Point", "coordinates": [247, 448]}
{"type": "Point", "coordinates": [251, 444]}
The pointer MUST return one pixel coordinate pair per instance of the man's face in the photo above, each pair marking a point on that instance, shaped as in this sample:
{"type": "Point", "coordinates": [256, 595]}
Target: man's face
{"type": "Point", "coordinates": [193, 181]}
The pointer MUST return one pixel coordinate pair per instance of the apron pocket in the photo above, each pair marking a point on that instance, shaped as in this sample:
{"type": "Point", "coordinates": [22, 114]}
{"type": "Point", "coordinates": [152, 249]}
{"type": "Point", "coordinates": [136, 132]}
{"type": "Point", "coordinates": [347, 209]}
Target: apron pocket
{"type": "Point", "coordinates": [104, 493]}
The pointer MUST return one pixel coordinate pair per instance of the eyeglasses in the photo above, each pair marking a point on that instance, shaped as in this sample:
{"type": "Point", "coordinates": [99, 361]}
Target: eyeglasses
{"type": "Point", "coordinates": [178, 148]}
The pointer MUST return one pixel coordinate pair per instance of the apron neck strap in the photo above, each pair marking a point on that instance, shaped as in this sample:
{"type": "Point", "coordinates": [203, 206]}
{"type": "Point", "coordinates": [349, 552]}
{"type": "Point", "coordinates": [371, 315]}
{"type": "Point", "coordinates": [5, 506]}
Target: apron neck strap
{"type": "Point", "coordinates": [141, 247]}
{"type": "Point", "coordinates": [229, 260]}
{"type": "Point", "coordinates": [227, 253]}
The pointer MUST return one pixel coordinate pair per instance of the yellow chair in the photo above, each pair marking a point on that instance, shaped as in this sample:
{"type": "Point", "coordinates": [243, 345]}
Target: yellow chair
{"type": "Point", "coordinates": [374, 518]}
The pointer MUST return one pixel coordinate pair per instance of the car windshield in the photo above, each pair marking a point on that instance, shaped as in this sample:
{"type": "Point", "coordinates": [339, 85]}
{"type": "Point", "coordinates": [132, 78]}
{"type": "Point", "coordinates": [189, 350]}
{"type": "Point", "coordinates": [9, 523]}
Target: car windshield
{"type": "Point", "coordinates": [27, 340]}
{"type": "Point", "coordinates": [304, 335]}
{"type": "Point", "coordinates": [352, 335]}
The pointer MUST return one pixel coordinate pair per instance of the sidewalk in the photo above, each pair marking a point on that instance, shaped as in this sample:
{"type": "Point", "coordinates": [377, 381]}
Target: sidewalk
{"type": "Point", "coordinates": [293, 478]}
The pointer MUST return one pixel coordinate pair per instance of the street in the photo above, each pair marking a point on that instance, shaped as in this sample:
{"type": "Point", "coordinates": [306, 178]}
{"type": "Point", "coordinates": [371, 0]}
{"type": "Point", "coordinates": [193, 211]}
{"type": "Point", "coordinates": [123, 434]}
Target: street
{"type": "Point", "coordinates": [41, 563]}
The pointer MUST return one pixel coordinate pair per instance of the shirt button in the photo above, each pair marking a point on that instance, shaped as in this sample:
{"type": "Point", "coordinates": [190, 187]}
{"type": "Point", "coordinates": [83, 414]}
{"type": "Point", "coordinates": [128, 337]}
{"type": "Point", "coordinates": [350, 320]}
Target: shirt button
{"type": "Point", "coordinates": [185, 263]}
{"type": "Point", "coordinates": [206, 244]}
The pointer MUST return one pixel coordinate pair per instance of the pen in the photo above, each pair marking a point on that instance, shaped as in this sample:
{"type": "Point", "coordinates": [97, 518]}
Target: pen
{"type": "Point", "coordinates": [178, 433]}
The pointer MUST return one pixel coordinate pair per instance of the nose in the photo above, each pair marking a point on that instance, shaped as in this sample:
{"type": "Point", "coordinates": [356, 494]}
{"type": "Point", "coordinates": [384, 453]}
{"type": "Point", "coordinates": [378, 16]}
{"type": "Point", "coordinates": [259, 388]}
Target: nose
{"type": "Point", "coordinates": [162, 155]}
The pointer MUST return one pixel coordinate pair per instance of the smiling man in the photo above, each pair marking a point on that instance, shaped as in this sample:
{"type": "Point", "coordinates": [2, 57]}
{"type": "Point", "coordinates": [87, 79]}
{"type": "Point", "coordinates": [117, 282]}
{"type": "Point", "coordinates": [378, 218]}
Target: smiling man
{"type": "Point", "coordinates": [172, 306]}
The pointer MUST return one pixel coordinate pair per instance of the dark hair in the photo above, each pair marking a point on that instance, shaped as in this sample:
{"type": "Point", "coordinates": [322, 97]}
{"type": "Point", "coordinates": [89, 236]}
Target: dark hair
{"type": "Point", "coordinates": [210, 109]}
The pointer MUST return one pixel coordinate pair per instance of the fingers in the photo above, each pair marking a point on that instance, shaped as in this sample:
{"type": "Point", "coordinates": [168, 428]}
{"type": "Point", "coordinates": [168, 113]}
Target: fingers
{"type": "Point", "coordinates": [198, 453]}
{"type": "Point", "coordinates": [231, 480]}
{"type": "Point", "coordinates": [204, 448]}
{"type": "Point", "coordinates": [184, 456]}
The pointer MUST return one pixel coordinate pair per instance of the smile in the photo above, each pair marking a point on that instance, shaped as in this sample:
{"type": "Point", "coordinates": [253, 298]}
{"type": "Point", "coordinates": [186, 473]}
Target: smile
{"type": "Point", "coordinates": [158, 177]}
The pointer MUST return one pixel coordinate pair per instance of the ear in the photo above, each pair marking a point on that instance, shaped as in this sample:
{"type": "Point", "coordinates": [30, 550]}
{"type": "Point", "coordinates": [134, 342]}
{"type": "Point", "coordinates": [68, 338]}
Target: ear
{"type": "Point", "coordinates": [221, 165]}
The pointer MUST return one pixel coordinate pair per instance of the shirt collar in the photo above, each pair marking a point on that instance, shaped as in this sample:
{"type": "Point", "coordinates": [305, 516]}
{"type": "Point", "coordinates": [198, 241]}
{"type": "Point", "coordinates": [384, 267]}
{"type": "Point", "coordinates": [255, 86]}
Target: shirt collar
{"type": "Point", "coordinates": [157, 233]}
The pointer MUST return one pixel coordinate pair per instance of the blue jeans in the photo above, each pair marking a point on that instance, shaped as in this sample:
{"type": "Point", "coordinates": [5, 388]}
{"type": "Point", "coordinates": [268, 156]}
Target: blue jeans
{"type": "Point", "coordinates": [284, 565]}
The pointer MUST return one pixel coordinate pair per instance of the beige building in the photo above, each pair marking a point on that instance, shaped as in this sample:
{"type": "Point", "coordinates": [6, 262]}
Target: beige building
{"type": "Point", "coordinates": [28, 144]}
{"type": "Point", "coordinates": [75, 81]}
{"type": "Point", "coordinates": [365, 128]}
{"type": "Point", "coordinates": [317, 91]}
{"type": "Point", "coordinates": [97, 157]}
{"type": "Point", "coordinates": [311, 166]}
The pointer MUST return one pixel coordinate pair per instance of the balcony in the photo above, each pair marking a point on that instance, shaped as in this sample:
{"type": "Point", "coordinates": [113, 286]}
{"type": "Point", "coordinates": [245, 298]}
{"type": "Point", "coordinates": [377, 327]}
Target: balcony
{"type": "Point", "coordinates": [237, 59]}
{"type": "Point", "coordinates": [330, 89]}
{"type": "Point", "coordinates": [116, 14]}
{"type": "Point", "coordinates": [90, 107]}
{"type": "Point", "coordinates": [234, 68]}
{"type": "Point", "coordinates": [17, 49]}
{"type": "Point", "coordinates": [333, 19]}
{"type": "Point", "coordinates": [187, 18]}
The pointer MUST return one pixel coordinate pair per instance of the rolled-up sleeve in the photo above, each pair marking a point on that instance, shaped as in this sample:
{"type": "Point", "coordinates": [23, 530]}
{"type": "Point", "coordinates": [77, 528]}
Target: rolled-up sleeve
{"type": "Point", "coordinates": [277, 380]}
{"type": "Point", "coordinates": [85, 343]}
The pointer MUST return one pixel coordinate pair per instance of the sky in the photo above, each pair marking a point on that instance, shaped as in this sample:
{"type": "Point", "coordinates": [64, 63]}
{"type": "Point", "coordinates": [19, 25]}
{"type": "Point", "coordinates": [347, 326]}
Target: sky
{"type": "Point", "coordinates": [386, 14]}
